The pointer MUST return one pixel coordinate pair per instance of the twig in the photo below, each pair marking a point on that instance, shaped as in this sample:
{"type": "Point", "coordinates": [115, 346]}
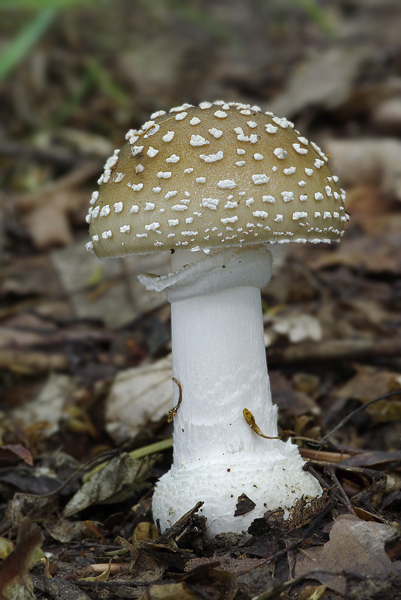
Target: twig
{"type": "Point", "coordinates": [345, 500]}
{"type": "Point", "coordinates": [52, 156]}
{"type": "Point", "coordinates": [73, 179]}
{"type": "Point", "coordinates": [338, 491]}
{"type": "Point", "coordinates": [277, 591]}
{"type": "Point", "coordinates": [102, 567]}
{"type": "Point", "coordinates": [115, 583]}
{"type": "Point", "coordinates": [310, 468]}
{"type": "Point", "coordinates": [334, 350]}
{"type": "Point", "coordinates": [356, 411]}
{"type": "Point", "coordinates": [36, 362]}
{"type": "Point", "coordinates": [323, 455]}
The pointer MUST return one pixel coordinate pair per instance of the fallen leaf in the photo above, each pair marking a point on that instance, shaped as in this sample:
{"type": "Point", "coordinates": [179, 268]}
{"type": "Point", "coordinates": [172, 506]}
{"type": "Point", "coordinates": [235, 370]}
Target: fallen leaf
{"type": "Point", "coordinates": [170, 591]}
{"type": "Point", "coordinates": [239, 566]}
{"type": "Point", "coordinates": [61, 588]}
{"type": "Point", "coordinates": [48, 224]}
{"type": "Point", "coordinates": [15, 580]}
{"type": "Point", "coordinates": [37, 507]}
{"type": "Point", "coordinates": [372, 458]}
{"type": "Point", "coordinates": [46, 211]}
{"type": "Point", "coordinates": [103, 576]}
{"type": "Point", "coordinates": [218, 583]}
{"type": "Point", "coordinates": [355, 546]}
{"type": "Point", "coordinates": [202, 582]}
{"type": "Point", "coordinates": [325, 80]}
{"type": "Point", "coordinates": [48, 406]}
{"type": "Point", "coordinates": [121, 478]}
{"type": "Point", "coordinates": [291, 401]}
{"type": "Point", "coordinates": [144, 531]}
{"type": "Point", "coordinates": [387, 115]}
{"type": "Point", "coordinates": [137, 396]}
{"type": "Point", "coordinates": [371, 161]}
{"type": "Point", "coordinates": [12, 453]}
{"type": "Point", "coordinates": [6, 547]}
{"type": "Point", "coordinates": [117, 298]}
{"type": "Point", "coordinates": [30, 276]}
{"type": "Point", "coordinates": [357, 253]}
{"type": "Point", "coordinates": [27, 479]}
{"type": "Point", "coordinates": [149, 567]}
{"type": "Point", "coordinates": [63, 530]}
{"type": "Point", "coordinates": [370, 383]}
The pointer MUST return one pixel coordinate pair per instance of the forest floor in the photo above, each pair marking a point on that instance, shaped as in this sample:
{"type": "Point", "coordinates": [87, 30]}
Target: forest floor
{"type": "Point", "coordinates": [85, 363]}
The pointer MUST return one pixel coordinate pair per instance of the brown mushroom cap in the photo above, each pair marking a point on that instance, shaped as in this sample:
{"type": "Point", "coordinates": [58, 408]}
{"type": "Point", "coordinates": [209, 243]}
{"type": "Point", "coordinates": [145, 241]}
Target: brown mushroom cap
{"type": "Point", "coordinates": [214, 175]}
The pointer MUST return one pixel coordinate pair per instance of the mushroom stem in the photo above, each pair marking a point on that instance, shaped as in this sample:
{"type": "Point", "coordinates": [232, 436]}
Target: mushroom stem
{"type": "Point", "coordinates": [219, 360]}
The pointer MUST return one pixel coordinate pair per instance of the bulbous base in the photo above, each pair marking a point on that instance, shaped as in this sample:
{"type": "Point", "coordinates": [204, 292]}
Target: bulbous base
{"type": "Point", "coordinates": [273, 481]}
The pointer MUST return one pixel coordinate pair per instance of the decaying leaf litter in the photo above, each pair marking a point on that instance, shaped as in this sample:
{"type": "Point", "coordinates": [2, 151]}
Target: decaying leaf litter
{"type": "Point", "coordinates": [84, 351]}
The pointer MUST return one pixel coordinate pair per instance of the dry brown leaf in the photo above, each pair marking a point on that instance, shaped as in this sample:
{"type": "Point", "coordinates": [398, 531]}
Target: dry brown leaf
{"type": "Point", "coordinates": [15, 580]}
{"type": "Point", "coordinates": [61, 588]}
{"type": "Point", "coordinates": [202, 582]}
{"type": "Point", "coordinates": [325, 80]}
{"type": "Point", "coordinates": [11, 453]}
{"type": "Point", "coordinates": [108, 290]}
{"type": "Point", "coordinates": [121, 478]}
{"type": "Point", "coordinates": [30, 276]}
{"type": "Point", "coordinates": [170, 591]}
{"type": "Point", "coordinates": [48, 224]}
{"type": "Point", "coordinates": [62, 530]}
{"type": "Point", "coordinates": [367, 161]}
{"type": "Point", "coordinates": [291, 402]}
{"type": "Point", "coordinates": [238, 566]}
{"type": "Point", "coordinates": [355, 546]}
{"type": "Point", "coordinates": [48, 406]}
{"type": "Point", "coordinates": [370, 383]}
{"type": "Point", "coordinates": [137, 396]}
{"type": "Point", "coordinates": [383, 224]}
{"type": "Point", "coordinates": [387, 115]}
{"type": "Point", "coordinates": [376, 254]}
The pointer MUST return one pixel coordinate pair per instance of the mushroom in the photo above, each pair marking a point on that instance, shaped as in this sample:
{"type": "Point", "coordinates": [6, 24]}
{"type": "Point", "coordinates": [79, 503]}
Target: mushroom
{"type": "Point", "coordinates": [213, 184]}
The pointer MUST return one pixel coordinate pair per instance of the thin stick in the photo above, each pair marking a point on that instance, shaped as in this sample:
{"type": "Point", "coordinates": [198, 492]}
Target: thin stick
{"type": "Point", "coordinates": [356, 411]}
{"type": "Point", "coordinates": [345, 500]}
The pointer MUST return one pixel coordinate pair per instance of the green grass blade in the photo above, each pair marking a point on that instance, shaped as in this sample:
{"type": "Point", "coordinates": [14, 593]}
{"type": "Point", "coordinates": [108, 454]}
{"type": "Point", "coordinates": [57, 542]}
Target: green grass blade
{"type": "Point", "coordinates": [135, 455]}
{"type": "Point", "coordinates": [11, 56]}
{"type": "Point", "coordinates": [38, 5]}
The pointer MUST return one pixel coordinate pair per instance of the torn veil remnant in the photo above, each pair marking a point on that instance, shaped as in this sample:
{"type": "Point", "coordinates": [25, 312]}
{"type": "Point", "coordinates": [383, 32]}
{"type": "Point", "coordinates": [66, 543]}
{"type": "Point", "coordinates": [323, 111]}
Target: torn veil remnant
{"type": "Point", "coordinates": [213, 184]}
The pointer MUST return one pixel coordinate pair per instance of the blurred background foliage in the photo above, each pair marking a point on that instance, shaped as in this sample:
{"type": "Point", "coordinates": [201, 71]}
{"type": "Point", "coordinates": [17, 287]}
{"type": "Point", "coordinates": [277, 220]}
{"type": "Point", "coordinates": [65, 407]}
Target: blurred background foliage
{"type": "Point", "coordinates": [75, 75]}
{"type": "Point", "coordinates": [76, 333]}
{"type": "Point", "coordinates": [106, 38]}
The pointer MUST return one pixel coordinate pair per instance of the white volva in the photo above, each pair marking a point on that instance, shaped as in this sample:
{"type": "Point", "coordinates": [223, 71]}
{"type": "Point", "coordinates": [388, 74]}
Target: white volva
{"type": "Point", "coordinates": [219, 359]}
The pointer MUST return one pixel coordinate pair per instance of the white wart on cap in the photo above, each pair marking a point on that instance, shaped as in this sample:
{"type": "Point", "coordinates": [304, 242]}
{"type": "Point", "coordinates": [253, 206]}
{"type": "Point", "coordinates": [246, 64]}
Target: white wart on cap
{"type": "Point", "coordinates": [215, 175]}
